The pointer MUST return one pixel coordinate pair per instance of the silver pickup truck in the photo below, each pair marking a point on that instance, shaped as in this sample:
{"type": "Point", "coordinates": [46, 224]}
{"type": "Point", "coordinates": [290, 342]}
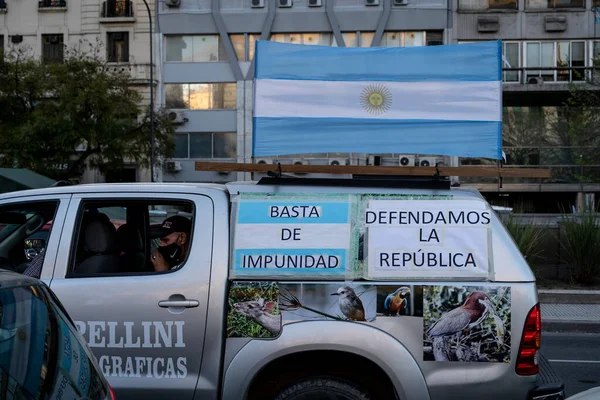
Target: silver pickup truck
{"type": "Point", "coordinates": [287, 288]}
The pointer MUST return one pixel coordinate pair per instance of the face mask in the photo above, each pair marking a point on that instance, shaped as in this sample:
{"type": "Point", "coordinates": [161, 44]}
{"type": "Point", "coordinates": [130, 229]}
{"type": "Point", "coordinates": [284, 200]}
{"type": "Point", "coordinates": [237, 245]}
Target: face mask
{"type": "Point", "coordinates": [171, 253]}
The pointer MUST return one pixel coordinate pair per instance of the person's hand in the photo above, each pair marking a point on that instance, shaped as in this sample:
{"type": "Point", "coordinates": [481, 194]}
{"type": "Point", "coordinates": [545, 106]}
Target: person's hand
{"type": "Point", "coordinates": [159, 262]}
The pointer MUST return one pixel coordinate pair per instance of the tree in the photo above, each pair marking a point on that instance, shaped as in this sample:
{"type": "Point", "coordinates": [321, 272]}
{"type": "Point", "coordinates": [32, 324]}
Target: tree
{"type": "Point", "coordinates": [74, 113]}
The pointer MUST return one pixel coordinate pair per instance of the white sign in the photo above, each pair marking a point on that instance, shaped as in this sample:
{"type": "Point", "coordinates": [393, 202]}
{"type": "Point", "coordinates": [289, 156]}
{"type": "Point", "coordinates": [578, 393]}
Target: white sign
{"type": "Point", "coordinates": [428, 238]}
{"type": "Point", "coordinates": [293, 235]}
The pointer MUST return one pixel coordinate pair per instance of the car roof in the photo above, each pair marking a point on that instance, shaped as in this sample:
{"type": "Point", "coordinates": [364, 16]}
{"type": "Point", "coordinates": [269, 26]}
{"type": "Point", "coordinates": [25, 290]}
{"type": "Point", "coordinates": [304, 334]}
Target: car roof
{"type": "Point", "coordinates": [10, 279]}
{"type": "Point", "coordinates": [336, 185]}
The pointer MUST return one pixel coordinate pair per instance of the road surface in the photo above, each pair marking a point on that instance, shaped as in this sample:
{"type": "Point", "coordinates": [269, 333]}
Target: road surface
{"type": "Point", "coordinates": [575, 358]}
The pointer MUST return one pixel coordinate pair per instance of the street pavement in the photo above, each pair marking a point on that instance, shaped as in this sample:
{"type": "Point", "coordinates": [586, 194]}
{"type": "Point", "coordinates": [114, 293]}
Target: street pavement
{"type": "Point", "coordinates": [575, 357]}
{"type": "Point", "coordinates": [571, 317]}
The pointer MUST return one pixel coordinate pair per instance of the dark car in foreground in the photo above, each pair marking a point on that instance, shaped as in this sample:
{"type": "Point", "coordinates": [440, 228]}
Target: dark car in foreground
{"type": "Point", "coordinates": [42, 355]}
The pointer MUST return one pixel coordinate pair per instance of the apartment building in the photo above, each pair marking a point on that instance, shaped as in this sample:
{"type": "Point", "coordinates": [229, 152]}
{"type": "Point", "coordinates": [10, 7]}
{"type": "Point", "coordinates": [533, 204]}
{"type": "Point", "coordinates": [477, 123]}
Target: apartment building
{"type": "Point", "coordinates": [45, 27]}
{"type": "Point", "coordinates": [560, 37]}
{"type": "Point", "coordinates": [206, 49]}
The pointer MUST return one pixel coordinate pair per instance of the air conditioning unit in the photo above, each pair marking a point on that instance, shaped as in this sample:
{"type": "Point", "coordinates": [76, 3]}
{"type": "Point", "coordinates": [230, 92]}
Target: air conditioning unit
{"type": "Point", "coordinates": [338, 161]}
{"type": "Point", "coordinates": [429, 161]}
{"type": "Point", "coordinates": [174, 166]}
{"type": "Point", "coordinates": [172, 3]}
{"type": "Point", "coordinates": [315, 3]}
{"type": "Point", "coordinates": [371, 2]}
{"type": "Point", "coordinates": [257, 3]}
{"type": "Point", "coordinates": [177, 117]}
{"type": "Point", "coordinates": [285, 3]}
{"type": "Point", "coordinates": [400, 2]}
{"type": "Point", "coordinates": [535, 80]}
{"type": "Point", "coordinates": [264, 161]}
{"type": "Point", "coordinates": [406, 160]}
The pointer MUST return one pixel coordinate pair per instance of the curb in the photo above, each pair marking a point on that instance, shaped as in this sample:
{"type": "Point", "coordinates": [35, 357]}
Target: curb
{"type": "Point", "coordinates": [558, 325]}
{"type": "Point", "coordinates": [569, 296]}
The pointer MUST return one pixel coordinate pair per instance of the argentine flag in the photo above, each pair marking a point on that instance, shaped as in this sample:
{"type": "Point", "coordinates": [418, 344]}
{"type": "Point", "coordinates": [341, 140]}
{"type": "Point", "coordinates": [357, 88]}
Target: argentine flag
{"type": "Point", "coordinates": [444, 100]}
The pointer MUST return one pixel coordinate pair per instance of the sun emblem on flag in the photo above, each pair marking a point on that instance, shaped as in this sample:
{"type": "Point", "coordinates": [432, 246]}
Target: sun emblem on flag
{"type": "Point", "coordinates": [376, 99]}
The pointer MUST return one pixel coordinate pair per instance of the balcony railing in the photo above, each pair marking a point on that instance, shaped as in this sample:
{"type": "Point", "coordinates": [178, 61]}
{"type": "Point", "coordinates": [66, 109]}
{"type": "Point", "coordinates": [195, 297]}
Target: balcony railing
{"type": "Point", "coordinates": [540, 75]}
{"type": "Point", "coordinates": [117, 9]}
{"type": "Point", "coordinates": [52, 3]}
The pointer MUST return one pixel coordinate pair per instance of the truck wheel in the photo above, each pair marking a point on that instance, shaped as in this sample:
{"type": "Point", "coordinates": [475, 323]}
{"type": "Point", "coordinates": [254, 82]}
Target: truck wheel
{"type": "Point", "coordinates": [323, 388]}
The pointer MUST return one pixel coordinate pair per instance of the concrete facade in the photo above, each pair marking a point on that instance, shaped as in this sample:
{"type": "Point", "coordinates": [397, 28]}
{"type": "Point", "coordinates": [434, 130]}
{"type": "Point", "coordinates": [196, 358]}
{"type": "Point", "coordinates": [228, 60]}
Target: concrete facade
{"type": "Point", "coordinates": [25, 23]}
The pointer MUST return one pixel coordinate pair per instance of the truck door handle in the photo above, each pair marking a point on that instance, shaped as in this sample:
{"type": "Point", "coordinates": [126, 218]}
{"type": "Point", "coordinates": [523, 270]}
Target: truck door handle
{"type": "Point", "coordinates": [178, 303]}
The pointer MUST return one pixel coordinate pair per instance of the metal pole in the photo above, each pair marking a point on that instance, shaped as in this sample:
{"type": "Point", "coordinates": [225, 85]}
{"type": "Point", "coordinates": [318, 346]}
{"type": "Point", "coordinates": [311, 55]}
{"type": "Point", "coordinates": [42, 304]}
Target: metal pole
{"type": "Point", "coordinates": [151, 94]}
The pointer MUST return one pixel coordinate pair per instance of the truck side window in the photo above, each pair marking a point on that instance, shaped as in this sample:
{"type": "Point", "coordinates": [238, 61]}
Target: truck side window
{"type": "Point", "coordinates": [24, 232]}
{"type": "Point", "coordinates": [124, 237]}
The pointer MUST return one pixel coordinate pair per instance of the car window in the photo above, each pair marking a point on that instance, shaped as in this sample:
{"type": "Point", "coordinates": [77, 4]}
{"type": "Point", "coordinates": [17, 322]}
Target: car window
{"type": "Point", "coordinates": [40, 356]}
{"type": "Point", "coordinates": [124, 237]}
{"type": "Point", "coordinates": [24, 232]}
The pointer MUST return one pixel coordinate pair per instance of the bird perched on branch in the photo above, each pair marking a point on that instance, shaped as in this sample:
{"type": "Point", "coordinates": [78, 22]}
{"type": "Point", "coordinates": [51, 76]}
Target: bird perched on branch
{"type": "Point", "coordinates": [395, 303]}
{"type": "Point", "coordinates": [471, 313]}
{"type": "Point", "coordinates": [350, 305]}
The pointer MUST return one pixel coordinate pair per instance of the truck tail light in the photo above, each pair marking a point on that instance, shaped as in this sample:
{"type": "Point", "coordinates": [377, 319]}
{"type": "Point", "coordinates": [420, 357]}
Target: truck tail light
{"type": "Point", "coordinates": [112, 393]}
{"type": "Point", "coordinates": [527, 361]}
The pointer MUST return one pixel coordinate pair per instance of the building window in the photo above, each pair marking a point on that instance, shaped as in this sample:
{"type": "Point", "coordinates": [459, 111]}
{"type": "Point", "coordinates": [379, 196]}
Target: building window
{"type": "Point", "coordinates": [252, 38]}
{"type": "Point", "coordinates": [555, 4]}
{"type": "Point", "coordinates": [555, 55]}
{"type": "Point", "coordinates": [402, 39]}
{"type": "Point", "coordinates": [1, 47]}
{"type": "Point", "coordinates": [52, 48]}
{"type": "Point", "coordinates": [206, 145]}
{"type": "Point", "coordinates": [2, 4]}
{"type": "Point", "coordinates": [118, 47]}
{"type": "Point", "coordinates": [434, 38]}
{"type": "Point", "coordinates": [487, 5]}
{"type": "Point", "coordinates": [239, 45]}
{"type": "Point", "coordinates": [201, 96]}
{"type": "Point", "coordinates": [322, 39]}
{"type": "Point", "coordinates": [117, 9]}
{"type": "Point", "coordinates": [350, 39]}
{"type": "Point", "coordinates": [197, 48]}
{"type": "Point", "coordinates": [596, 3]}
{"type": "Point", "coordinates": [510, 51]}
{"type": "Point", "coordinates": [52, 3]}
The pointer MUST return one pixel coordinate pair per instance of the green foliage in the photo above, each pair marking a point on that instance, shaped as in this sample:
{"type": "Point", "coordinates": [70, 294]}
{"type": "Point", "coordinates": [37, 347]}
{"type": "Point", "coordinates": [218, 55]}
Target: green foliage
{"type": "Point", "coordinates": [528, 237]}
{"type": "Point", "coordinates": [495, 343]}
{"type": "Point", "coordinates": [237, 324]}
{"type": "Point", "coordinates": [47, 110]}
{"type": "Point", "coordinates": [580, 245]}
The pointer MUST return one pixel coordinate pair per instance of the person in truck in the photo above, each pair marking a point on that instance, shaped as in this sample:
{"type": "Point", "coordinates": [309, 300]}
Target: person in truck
{"type": "Point", "coordinates": [174, 234]}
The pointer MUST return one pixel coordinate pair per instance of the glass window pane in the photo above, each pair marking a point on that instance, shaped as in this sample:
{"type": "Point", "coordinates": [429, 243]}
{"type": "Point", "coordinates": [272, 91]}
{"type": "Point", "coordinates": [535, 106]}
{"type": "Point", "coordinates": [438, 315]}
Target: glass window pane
{"type": "Point", "coordinates": [350, 39]}
{"type": "Point", "coordinates": [320, 39]}
{"type": "Point", "coordinates": [503, 4]}
{"type": "Point", "coordinates": [578, 60]}
{"type": "Point", "coordinates": [391, 39]}
{"type": "Point", "coordinates": [414, 39]}
{"type": "Point", "coordinates": [179, 48]}
{"type": "Point", "coordinates": [212, 96]}
{"type": "Point", "coordinates": [547, 50]}
{"type": "Point", "coordinates": [539, 3]}
{"type": "Point", "coordinates": [238, 42]}
{"type": "Point", "coordinates": [511, 53]}
{"type": "Point", "coordinates": [366, 38]}
{"type": "Point", "coordinates": [473, 4]}
{"type": "Point", "coordinates": [225, 145]}
{"type": "Point", "coordinates": [569, 3]}
{"type": "Point", "coordinates": [201, 145]}
{"type": "Point", "coordinates": [177, 95]}
{"type": "Point", "coordinates": [287, 37]}
{"type": "Point", "coordinates": [208, 48]}
{"type": "Point", "coordinates": [252, 45]}
{"type": "Point", "coordinates": [181, 146]}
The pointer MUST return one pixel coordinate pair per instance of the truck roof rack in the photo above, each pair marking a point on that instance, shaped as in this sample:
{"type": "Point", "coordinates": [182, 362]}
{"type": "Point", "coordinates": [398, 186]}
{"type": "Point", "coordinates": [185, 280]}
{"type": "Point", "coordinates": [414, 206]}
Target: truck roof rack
{"type": "Point", "coordinates": [370, 181]}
